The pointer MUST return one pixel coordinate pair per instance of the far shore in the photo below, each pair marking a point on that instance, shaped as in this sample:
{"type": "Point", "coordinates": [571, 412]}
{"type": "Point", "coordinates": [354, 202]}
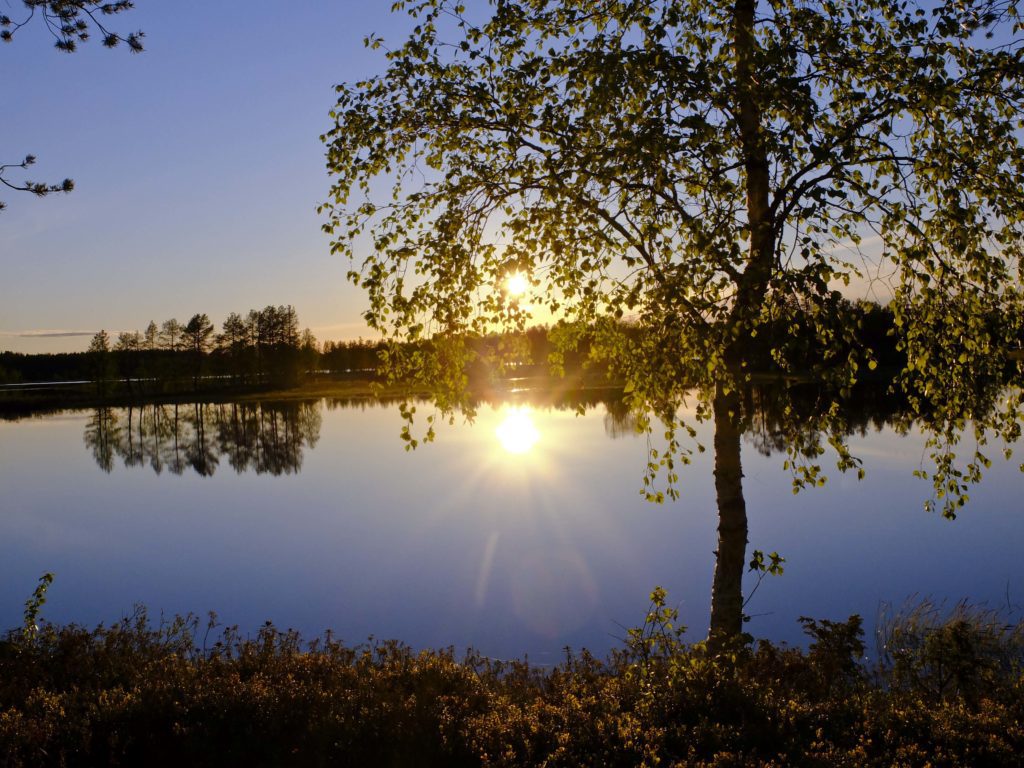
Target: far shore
{"type": "Point", "coordinates": [24, 401]}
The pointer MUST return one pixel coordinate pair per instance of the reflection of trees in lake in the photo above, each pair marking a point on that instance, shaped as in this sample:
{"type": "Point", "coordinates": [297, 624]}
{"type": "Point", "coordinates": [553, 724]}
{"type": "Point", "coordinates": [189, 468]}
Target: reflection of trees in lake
{"type": "Point", "coordinates": [200, 452]}
{"type": "Point", "coordinates": [267, 439]}
{"type": "Point", "coordinates": [258, 437]}
{"type": "Point", "coordinates": [797, 420]}
{"type": "Point", "coordinates": [101, 437]}
{"type": "Point", "coordinates": [620, 421]}
{"type": "Point", "coordinates": [779, 417]}
{"type": "Point", "coordinates": [792, 418]}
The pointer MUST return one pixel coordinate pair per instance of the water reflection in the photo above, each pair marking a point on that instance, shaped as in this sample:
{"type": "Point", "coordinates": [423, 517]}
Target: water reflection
{"type": "Point", "coordinates": [780, 418]}
{"type": "Point", "coordinates": [464, 542]}
{"type": "Point", "coordinates": [265, 438]}
{"type": "Point", "coordinates": [270, 438]}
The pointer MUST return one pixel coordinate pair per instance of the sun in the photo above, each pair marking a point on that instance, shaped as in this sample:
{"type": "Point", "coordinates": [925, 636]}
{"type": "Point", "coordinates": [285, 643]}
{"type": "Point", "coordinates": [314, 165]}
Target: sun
{"type": "Point", "coordinates": [517, 284]}
{"type": "Point", "coordinates": [517, 433]}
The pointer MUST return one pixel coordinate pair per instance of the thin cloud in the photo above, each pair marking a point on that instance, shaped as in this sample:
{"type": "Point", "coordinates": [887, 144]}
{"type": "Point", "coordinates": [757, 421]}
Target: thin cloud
{"type": "Point", "coordinates": [45, 334]}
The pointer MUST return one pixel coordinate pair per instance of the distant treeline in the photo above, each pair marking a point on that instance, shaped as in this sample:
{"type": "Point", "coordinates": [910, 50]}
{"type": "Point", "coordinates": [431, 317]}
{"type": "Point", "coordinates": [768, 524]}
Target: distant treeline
{"type": "Point", "coordinates": [261, 347]}
{"type": "Point", "coordinates": [266, 347]}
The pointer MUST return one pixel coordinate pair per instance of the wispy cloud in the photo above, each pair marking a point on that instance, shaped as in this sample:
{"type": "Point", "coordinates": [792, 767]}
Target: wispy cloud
{"type": "Point", "coordinates": [45, 334]}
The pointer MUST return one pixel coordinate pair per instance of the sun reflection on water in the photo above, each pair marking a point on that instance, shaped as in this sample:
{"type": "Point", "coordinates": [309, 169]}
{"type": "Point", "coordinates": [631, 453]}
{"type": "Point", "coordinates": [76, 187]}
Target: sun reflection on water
{"type": "Point", "coordinates": [517, 432]}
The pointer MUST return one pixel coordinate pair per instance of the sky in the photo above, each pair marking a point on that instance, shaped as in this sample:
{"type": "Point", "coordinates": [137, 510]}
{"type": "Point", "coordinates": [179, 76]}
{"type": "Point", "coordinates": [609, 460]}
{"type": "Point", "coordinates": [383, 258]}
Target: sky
{"type": "Point", "coordinates": [197, 167]}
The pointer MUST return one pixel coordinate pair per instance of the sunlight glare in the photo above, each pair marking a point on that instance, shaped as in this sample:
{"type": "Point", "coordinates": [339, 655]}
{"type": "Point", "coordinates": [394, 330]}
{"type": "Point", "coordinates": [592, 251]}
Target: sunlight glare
{"type": "Point", "coordinates": [517, 433]}
{"type": "Point", "coordinates": [517, 284]}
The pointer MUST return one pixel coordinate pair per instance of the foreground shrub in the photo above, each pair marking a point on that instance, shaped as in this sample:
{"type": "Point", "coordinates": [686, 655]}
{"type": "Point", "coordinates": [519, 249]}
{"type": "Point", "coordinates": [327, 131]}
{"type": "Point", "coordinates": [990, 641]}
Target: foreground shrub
{"type": "Point", "coordinates": [946, 692]}
{"type": "Point", "coordinates": [968, 653]}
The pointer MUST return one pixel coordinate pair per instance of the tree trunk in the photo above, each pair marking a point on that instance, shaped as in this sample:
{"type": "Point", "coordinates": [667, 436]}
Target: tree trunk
{"type": "Point", "coordinates": [727, 589]}
{"type": "Point", "coordinates": [757, 272]}
{"type": "Point", "coordinates": [751, 289]}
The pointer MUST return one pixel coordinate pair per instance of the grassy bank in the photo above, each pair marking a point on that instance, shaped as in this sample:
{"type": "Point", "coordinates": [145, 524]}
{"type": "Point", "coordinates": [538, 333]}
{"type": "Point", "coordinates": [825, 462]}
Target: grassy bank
{"type": "Point", "coordinates": [945, 692]}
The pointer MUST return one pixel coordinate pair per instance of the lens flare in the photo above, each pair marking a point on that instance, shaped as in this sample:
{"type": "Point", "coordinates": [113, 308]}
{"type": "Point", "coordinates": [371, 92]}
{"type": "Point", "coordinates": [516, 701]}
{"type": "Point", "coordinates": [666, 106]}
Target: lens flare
{"type": "Point", "coordinates": [517, 433]}
{"type": "Point", "coordinates": [517, 284]}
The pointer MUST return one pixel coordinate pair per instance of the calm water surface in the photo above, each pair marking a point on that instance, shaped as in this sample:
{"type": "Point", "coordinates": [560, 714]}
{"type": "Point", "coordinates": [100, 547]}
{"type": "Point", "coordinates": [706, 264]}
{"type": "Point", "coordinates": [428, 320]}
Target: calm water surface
{"type": "Point", "coordinates": [519, 534]}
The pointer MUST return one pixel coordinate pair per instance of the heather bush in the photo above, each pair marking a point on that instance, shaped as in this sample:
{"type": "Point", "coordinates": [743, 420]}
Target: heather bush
{"type": "Point", "coordinates": [947, 691]}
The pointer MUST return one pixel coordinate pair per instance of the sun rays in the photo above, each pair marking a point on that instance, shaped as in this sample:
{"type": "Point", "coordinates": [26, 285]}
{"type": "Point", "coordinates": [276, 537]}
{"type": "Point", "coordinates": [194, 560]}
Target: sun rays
{"type": "Point", "coordinates": [517, 433]}
{"type": "Point", "coordinates": [517, 284]}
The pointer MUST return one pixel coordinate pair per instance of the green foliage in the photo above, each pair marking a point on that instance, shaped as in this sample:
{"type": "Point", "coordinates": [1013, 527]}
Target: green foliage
{"type": "Point", "coordinates": [660, 635]}
{"type": "Point", "coordinates": [34, 605]}
{"type": "Point", "coordinates": [773, 566]}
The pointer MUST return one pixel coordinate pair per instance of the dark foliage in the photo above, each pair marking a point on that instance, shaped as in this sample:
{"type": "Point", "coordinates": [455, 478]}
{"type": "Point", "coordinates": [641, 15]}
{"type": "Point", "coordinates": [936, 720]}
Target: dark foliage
{"type": "Point", "coordinates": [135, 694]}
{"type": "Point", "coordinates": [69, 22]}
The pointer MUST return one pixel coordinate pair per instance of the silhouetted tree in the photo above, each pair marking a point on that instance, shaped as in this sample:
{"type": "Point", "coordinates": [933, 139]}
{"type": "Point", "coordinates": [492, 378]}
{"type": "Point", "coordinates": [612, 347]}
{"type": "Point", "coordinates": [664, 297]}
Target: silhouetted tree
{"type": "Point", "coordinates": [197, 338]}
{"type": "Point", "coordinates": [129, 349]}
{"type": "Point", "coordinates": [197, 335]}
{"type": "Point", "coordinates": [234, 343]}
{"type": "Point", "coordinates": [101, 364]}
{"type": "Point", "coordinates": [151, 338]}
{"type": "Point", "coordinates": [309, 352]}
{"type": "Point", "coordinates": [171, 335]}
{"type": "Point", "coordinates": [278, 339]}
{"type": "Point", "coordinates": [351, 356]}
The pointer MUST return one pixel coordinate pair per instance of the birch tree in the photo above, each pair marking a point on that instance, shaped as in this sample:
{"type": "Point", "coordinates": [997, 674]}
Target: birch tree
{"type": "Point", "coordinates": [684, 179]}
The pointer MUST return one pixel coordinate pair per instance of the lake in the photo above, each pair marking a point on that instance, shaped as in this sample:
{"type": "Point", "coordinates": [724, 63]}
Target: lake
{"type": "Point", "coordinates": [518, 534]}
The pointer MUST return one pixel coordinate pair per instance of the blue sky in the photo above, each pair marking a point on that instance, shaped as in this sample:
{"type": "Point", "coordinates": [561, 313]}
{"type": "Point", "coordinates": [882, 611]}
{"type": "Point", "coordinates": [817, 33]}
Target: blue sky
{"type": "Point", "coordinates": [197, 165]}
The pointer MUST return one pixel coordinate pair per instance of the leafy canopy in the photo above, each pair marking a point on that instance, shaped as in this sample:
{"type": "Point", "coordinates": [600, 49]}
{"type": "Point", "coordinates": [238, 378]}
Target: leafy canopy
{"type": "Point", "coordinates": [682, 178]}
